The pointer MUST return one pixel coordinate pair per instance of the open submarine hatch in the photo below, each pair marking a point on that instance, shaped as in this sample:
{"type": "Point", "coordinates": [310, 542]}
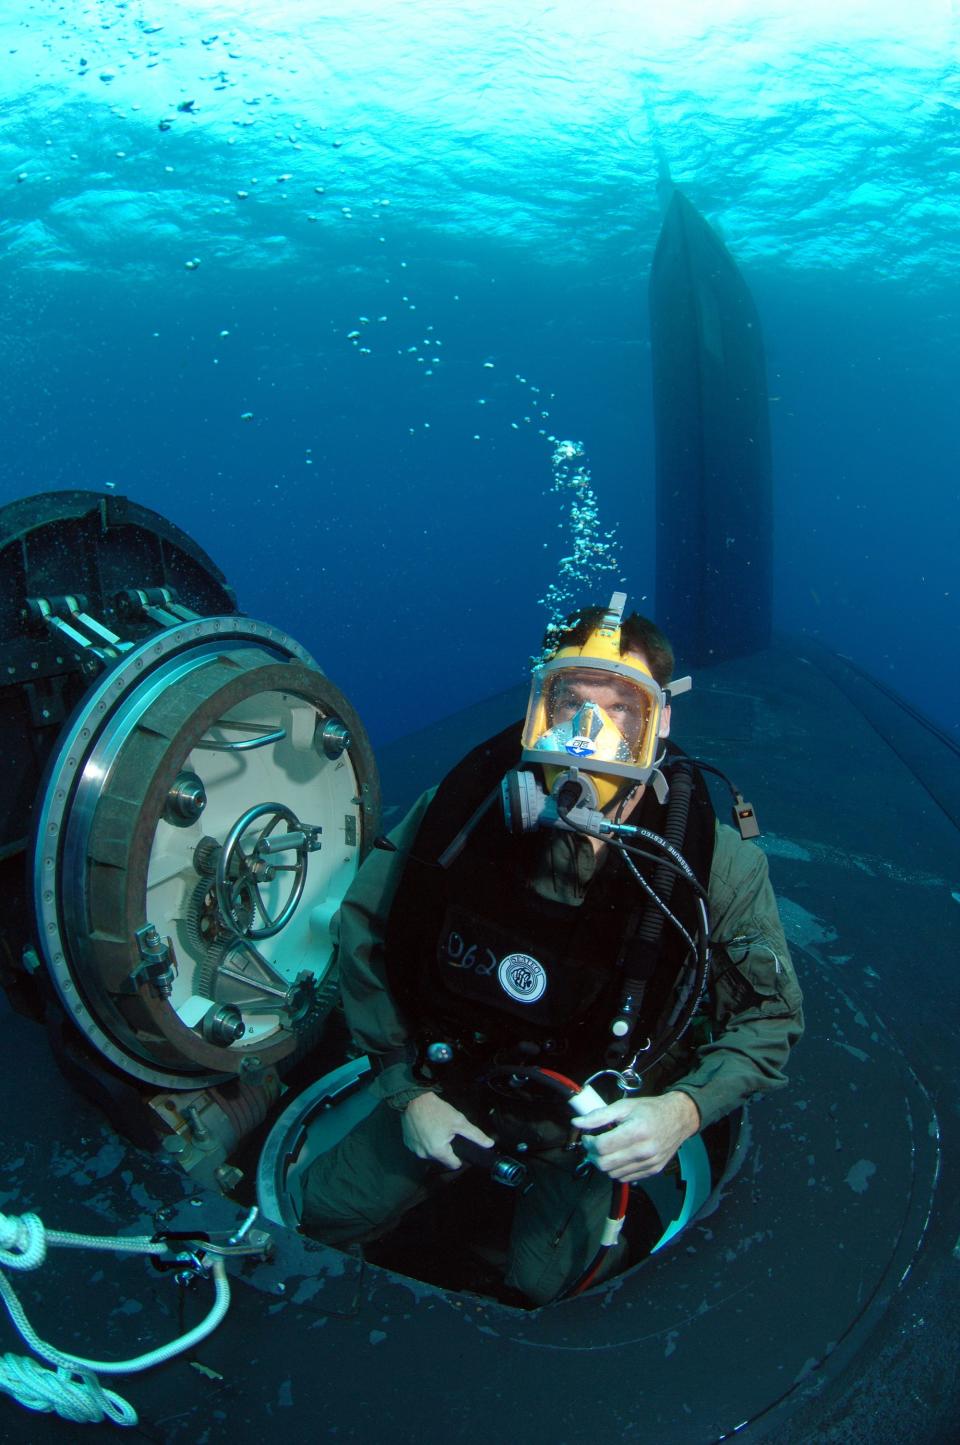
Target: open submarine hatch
{"type": "Point", "coordinates": [203, 796]}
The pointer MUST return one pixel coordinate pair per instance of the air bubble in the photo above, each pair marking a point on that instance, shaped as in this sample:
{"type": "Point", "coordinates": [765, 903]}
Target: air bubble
{"type": "Point", "coordinates": [592, 552]}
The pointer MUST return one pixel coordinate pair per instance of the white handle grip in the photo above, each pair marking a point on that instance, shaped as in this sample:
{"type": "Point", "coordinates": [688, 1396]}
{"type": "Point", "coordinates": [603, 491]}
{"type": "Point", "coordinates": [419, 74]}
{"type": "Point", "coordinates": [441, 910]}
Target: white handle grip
{"type": "Point", "coordinates": [587, 1100]}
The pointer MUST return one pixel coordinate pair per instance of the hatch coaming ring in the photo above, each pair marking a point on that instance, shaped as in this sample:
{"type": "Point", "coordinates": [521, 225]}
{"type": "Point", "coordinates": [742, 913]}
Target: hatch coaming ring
{"type": "Point", "coordinates": [241, 874]}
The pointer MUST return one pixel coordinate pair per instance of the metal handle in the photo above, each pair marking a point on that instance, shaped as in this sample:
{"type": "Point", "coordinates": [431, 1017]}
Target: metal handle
{"type": "Point", "coordinates": [243, 745]}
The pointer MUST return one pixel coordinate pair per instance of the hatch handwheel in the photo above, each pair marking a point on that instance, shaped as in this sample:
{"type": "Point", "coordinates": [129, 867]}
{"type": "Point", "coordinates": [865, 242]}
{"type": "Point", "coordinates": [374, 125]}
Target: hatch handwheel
{"type": "Point", "coordinates": [243, 869]}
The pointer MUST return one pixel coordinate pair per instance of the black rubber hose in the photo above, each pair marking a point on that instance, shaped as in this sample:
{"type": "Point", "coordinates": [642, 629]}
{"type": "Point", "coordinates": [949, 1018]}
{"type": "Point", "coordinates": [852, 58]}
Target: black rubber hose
{"type": "Point", "coordinates": [675, 830]}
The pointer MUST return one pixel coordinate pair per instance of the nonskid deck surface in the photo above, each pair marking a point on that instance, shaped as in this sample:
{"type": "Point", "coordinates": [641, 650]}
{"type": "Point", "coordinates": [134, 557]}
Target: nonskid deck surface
{"type": "Point", "coordinates": [784, 1307]}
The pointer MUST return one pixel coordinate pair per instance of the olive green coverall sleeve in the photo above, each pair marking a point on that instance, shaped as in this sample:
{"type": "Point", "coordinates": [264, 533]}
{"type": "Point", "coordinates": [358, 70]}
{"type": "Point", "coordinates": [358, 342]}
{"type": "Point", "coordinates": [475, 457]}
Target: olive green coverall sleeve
{"type": "Point", "coordinates": [359, 931]}
{"type": "Point", "coordinates": [756, 1007]}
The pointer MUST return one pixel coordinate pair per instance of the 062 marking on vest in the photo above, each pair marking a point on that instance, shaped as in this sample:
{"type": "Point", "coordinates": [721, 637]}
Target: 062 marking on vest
{"type": "Point", "coordinates": [481, 960]}
{"type": "Point", "coordinates": [522, 977]}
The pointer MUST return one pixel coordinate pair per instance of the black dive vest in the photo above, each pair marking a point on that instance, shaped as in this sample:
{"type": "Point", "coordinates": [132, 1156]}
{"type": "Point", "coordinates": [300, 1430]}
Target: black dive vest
{"type": "Point", "coordinates": [477, 957]}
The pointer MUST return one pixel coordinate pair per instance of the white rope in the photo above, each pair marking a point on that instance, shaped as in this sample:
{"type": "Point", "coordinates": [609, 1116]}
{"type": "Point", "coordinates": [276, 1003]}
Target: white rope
{"type": "Point", "coordinates": [121, 1367]}
{"type": "Point", "coordinates": [23, 1246]}
{"type": "Point", "coordinates": [24, 1241]}
{"type": "Point", "coordinates": [83, 1400]}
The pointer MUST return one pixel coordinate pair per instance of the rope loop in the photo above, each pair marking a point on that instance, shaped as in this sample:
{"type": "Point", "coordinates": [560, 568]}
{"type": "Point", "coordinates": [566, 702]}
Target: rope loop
{"type": "Point", "coordinates": [23, 1241]}
{"type": "Point", "coordinates": [82, 1399]}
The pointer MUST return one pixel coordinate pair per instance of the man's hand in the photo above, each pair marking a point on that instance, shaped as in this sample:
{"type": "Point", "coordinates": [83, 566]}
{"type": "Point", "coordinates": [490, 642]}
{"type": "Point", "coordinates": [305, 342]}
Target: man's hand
{"type": "Point", "coordinates": [646, 1134]}
{"type": "Point", "coordinates": [429, 1126]}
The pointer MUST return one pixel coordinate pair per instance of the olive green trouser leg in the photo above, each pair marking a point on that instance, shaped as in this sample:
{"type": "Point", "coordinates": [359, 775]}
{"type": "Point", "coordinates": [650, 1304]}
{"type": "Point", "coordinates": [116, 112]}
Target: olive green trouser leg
{"type": "Point", "coordinates": [557, 1228]}
{"type": "Point", "coordinates": [360, 1188]}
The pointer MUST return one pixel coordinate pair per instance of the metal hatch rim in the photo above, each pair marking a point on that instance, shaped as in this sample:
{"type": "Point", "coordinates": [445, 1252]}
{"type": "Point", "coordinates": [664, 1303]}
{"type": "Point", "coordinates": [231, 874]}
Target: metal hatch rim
{"type": "Point", "coordinates": [72, 753]}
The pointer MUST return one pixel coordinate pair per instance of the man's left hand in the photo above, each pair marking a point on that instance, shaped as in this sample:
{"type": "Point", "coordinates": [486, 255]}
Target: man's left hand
{"type": "Point", "coordinates": [640, 1136]}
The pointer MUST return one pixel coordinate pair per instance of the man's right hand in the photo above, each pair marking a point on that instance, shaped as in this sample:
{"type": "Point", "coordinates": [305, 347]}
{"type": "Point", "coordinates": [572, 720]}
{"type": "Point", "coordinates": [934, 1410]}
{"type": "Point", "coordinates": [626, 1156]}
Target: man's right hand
{"type": "Point", "coordinates": [430, 1125]}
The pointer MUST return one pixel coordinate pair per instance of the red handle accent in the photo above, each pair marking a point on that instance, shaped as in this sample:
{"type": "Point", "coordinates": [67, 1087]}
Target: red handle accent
{"type": "Point", "coordinates": [561, 1079]}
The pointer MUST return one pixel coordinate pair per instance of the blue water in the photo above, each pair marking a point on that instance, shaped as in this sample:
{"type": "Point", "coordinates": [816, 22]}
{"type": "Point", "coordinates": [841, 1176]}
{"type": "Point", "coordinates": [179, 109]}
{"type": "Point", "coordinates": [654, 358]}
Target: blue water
{"type": "Point", "coordinates": [471, 189]}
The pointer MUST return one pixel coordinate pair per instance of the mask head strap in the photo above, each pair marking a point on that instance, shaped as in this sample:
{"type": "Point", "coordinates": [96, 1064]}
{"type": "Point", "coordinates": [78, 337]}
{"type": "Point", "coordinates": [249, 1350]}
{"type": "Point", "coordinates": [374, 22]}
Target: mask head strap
{"type": "Point", "coordinates": [613, 617]}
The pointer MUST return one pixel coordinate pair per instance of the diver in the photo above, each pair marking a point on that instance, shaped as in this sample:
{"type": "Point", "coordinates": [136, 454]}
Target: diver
{"type": "Point", "coordinates": [563, 909]}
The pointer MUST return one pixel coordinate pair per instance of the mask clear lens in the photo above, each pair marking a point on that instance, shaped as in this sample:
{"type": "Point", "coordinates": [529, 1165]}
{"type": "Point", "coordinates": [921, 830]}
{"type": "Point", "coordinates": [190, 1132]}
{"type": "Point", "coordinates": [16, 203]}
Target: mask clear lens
{"type": "Point", "coordinates": [594, 715]}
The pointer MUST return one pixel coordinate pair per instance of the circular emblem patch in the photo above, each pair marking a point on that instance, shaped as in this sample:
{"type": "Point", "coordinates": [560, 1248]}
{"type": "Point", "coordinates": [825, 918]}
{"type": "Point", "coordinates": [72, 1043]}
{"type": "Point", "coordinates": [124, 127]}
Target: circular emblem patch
{"type": "Point", "coordinates": [580, 747]}
{"type": "Point", "coordinates": [522, 977]}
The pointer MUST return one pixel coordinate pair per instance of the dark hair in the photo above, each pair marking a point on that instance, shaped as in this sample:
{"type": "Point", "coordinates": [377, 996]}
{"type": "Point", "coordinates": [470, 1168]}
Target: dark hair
{"type": "Point", "coordinates": [637, 634]}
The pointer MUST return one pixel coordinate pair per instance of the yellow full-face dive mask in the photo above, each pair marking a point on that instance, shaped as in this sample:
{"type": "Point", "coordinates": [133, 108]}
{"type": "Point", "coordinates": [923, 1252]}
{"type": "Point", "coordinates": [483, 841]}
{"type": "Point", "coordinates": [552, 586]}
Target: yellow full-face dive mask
{"type": "Point", "coordinates": [597, 710]}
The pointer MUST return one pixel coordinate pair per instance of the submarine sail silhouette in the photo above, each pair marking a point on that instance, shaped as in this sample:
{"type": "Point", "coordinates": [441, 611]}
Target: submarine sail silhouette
{"type": "Point", "coordinates": [186, 799]}
{"type": "Point", "coordinates": [714, 483]}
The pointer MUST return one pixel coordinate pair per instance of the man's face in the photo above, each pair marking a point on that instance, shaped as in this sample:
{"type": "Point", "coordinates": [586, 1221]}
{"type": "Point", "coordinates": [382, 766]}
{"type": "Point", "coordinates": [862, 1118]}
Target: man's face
{"type": "Point", "coordinates": [626, 704]}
